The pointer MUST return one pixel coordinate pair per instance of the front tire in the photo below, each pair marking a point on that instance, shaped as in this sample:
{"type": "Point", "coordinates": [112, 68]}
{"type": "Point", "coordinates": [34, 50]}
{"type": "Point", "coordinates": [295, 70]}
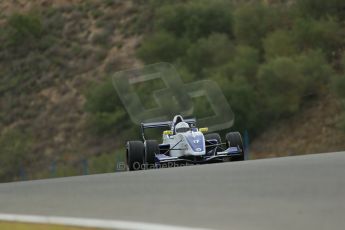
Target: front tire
{"type": "Point", "coordinates": [212, 136]}
{"type": "Point", "coordinates": [234, 139]}
{"type": "Point", "coordinates": [135, 155]}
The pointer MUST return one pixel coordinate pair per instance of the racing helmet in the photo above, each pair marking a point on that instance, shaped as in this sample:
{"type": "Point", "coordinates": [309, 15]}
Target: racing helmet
{"type": "Point", "coordinates": [182, 127]}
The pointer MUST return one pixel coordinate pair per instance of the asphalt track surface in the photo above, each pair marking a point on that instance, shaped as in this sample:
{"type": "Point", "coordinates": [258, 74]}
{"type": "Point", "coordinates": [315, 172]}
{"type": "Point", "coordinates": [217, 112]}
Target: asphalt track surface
{"type": "Point", "coordinates": [304, 192]}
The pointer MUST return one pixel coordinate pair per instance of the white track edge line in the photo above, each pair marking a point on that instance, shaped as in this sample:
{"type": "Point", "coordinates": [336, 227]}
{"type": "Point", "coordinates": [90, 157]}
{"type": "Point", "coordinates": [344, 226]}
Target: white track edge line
{"type": "Point", "coordinates": [90, 223]}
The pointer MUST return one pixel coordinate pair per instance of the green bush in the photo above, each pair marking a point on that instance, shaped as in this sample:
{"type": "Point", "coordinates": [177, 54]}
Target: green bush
{"type": "Point", "coordinates": [209, 52]}
{"type": "Point", "coordinates": [315, 71]}
{"type": "Point", "coordinates": [341, 122]}
{"type": "Point", "coordinates": [102, 98]}
{"type": "Point", "coordinates": [276, 91]}
{"type": "Point", "coordinates": [281, 56]}
{"type": "Point", "coordinates": [279, 44]}
{"type": "Point", "coordinates": [179, 25]}
{"type": "Point", "coordinates": [144, 91]}
{"type": "Point", "coordinates": [107, 123]}
{"type": "Point", "coordinates": [321, 9]}
{"type": "Point", "coordinates": [281, 86]}
{"type": "Point", "coordinates": [105, 109]}
{"type": "Point", "coordinates": [338, 80]}
{"type": "Point", "coordinates": [196, 19]}
{"type": "Point", "coordinates": [104, 163]}
{"type": "Point", "coordinates": [15, 147]}
{"type": "Point", "coordinates": [342, 62]}
{"type": "Point", "coordinates": [244, 102]}
{"type": "Point", "coordinates": [162, 47]}
{"type": "Point", "coordinates": [65, 169]}
{"type": "Point", "coordinates": [24, 28]}
{"type": "Point", "coordinates": [252, 22]}
{"type": "Point", "coordinates": [245, 62]}
{"type": "Point", "coordinates": [338, 87]}
{"type": "Point", "coordinates": [325, 34]}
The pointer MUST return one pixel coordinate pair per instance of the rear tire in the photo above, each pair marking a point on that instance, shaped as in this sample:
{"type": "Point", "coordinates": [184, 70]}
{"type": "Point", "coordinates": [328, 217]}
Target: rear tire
{"type": "Point", "coordinates": [151, 149]}
{"type": "Point", "coordinates": [234, 139]}
{"type": "Point", "coordinates": [135, 155]}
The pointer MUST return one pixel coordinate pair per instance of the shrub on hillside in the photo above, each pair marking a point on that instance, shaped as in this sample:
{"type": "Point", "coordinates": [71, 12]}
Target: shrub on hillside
{"type": "Point", "coordinates": [209, 52]}
{"type": "Point", "coordinates": [107, 123]}
{"type": "Point", "coordinates": [324, 34]}
{"type": "Point", "coordinates": [338, 86]}
{"type": "Point", "coordinates": [24, 28]}
{"type": "Point", "coordinates": [252, 22]}
{"type": "Point", "coordinates": [30, 32]}
{"type": "Point", "coordinates": [321, 8]}
{"type": "Point", "coordinates": [244, 102]}
{"type": "Point", "coordinates": [180, 25]}
{"type": "Point", "coordinates": [105, 163]}
{"type": "Point", "coordinates": [279, 90]}
{"type": "Point", "coordinates": [281, 86]}
{"type": "Point", "coordinates": [279, 44]}
{"type": "Point", "coordinates": [315, 71]}
{"type": "Point", "coordinates": [196, 19]}
{"type": "Point", "coordinates": [14, 148]}
{"type": "Point", "coordinates": [105, 108]}
{"type": "Point", "coordinates": [338, 81]}
{"type": "Point", "coordinates": [102, 98]}
{"type": "Point", "coordinates": [245, 62]}
{"type": "Point", "coordinates": [341, 122]}
{"type": "Point", "coordinates": [162, 47]}
{"type": "Point", "coordinates": [237, 79]}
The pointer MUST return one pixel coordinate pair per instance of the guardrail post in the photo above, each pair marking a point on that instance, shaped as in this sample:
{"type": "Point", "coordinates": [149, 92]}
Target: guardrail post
{"type": "Point", "coordinates": [85, 164]}
{"type": "Point", "coordinates": [115, 163]}
{"type": "Point", "coordinates": [22, 173]}
{"type": "Point", "coordinates": [246, 145]}
{"type": "Point", "coordinates": [53, 169]}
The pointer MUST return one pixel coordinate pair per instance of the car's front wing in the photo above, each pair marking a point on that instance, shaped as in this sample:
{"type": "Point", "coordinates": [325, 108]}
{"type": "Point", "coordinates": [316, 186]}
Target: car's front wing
{"type": "Point", "coordinates": [218, 156]}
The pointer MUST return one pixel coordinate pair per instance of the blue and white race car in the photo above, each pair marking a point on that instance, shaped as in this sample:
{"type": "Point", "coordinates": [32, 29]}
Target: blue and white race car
{"type": "Point", "coordinates": [183, 143]}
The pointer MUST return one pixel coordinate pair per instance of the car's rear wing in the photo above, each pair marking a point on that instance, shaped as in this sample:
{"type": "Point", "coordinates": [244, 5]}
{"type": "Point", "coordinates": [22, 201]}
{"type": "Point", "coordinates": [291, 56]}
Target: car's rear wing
{"type": "Point", "coordinates": [162, 124]}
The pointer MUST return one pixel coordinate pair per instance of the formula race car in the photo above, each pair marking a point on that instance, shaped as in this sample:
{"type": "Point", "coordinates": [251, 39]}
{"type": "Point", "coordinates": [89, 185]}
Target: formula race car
{"type": "Point", "coordinates": [183, 143]}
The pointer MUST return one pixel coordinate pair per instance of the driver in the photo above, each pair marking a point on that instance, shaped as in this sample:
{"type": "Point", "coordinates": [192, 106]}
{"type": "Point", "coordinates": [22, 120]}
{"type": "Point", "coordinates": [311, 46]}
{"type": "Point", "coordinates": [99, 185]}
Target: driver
{"type": "Point", "coordinates": [182, 127]}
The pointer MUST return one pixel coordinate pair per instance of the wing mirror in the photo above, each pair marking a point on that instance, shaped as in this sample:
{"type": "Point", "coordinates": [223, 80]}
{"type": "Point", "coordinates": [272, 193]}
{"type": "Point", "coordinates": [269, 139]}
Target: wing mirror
{"type": "Point", "coordinates": [203, 130]}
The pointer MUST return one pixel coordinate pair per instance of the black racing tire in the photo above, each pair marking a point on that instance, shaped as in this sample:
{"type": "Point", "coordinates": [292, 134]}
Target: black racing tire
{"type": "Point", "coordinates": [212, 136]}
{"type": "Point", "coordinates": [151, 149]}
{"type": "Point", "coordinates": [135, 155]}
{"type": "Point", "coordinates": [234, 139]}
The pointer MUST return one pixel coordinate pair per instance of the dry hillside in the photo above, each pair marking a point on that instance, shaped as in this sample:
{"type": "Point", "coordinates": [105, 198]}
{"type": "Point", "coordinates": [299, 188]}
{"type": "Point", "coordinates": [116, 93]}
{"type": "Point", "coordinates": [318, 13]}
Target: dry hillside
{"type": "Point", "coordinates": [313, 130]}
{"type": "Point", "coordinates": [90, 44]}
{"type": "Point", "coordinates": [43, 88]}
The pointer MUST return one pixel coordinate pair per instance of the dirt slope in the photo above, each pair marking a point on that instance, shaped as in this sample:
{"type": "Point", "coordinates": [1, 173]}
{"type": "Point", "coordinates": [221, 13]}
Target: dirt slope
{"type": "Point", "coordinates": [313, 130]}
{"type": "Point", "coordinates": [93, 41]}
